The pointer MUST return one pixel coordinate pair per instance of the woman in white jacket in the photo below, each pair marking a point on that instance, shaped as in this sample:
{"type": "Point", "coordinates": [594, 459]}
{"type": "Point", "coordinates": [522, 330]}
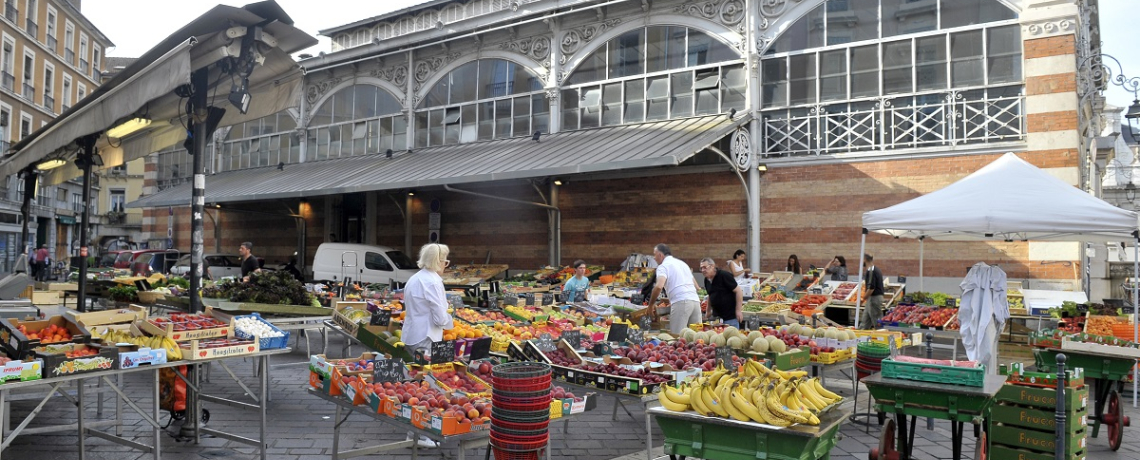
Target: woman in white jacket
{"type": "Point", "coordinates": [425, 307]}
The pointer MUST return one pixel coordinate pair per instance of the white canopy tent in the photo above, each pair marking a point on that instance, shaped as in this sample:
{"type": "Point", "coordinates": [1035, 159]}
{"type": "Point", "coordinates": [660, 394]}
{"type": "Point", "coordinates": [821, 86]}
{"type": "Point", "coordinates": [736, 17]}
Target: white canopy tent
{"type": "Point", "coordinates": [1007, 200]}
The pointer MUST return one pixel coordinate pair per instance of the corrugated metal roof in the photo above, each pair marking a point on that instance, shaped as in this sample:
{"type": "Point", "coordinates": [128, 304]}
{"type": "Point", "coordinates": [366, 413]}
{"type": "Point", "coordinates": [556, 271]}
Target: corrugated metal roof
{"type": "Point", "coordinates": [665, 143]}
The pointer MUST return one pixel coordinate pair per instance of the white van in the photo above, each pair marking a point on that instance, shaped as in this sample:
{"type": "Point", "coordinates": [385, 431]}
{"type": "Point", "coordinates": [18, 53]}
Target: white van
{"type": "Point", "coordinates": [373, 264]}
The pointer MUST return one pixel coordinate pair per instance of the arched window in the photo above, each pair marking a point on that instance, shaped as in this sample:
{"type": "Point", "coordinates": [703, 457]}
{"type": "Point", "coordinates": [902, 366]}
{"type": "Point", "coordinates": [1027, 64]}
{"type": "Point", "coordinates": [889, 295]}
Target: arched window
{"type": "Point", "coordinates": [654, 73]}
{"type": "Point", "coordinates": [846, 69]}
{"type": "Point", "coordinates": [266, 141]}
{"type": "Point", "coordinates": [357, 120]}
{"type": "Point", "coordinates": [482, 100]}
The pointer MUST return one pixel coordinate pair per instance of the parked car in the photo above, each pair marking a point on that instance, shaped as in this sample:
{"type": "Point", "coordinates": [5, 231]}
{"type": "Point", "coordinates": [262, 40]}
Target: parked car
{"type": "Point", "coordinates": [149, 263]}
{"type": "Point", "coordinates": [221, 265]}
{"type": "Point", "coordinates": [107, 260]}
{"type": "Point", "coordinates": [126, 259]}
{"type": "Point", "coordinates": [362, 262]}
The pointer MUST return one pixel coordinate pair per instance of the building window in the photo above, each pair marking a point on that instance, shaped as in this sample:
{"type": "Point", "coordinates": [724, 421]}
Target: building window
{"type": "Point", "coordinates": [25, 125]}
{"type": "Point", "coordinates": [118, 201]}
{"type": "Point", "coordinates": [30, 21]}
{"type": "Point", "coordinates": [66, 96]}
{"type": "Point", "coordinates": [96, 71]}
{"type": "Point", "coordinates": [61, 195]}
{"type": "Point", "coordinates": [69, 43]}
{"type": "Point", "coordinates": [82, 52]}
{"type": "Point", "coordinates": [52, 18]}
{"type": "Point", "coordinates": [356, 120]}
{"type": "Point", "coordinates": [29, 89]}
{"type": "Point", "coordinates": [81, 92]}
{"type": "Point", "coordinates": [49, 83]}
{"type": "Point", "coordinates": [8, 64]}
{"type": "Point", "coordinates": [5, 128]}
{"type": "Point", "coordinates": [77, 202]}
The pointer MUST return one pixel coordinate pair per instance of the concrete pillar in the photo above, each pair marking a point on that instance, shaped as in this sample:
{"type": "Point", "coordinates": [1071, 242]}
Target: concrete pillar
{"type": "Point", "coordinates": [756, 130]}
{"type": "Point", "coordinates": [371, 218]}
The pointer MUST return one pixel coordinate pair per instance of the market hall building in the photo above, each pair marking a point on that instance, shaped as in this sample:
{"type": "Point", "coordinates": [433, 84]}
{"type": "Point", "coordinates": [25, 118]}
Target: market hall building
{"type": "Point", "coordinates": [532, 132]}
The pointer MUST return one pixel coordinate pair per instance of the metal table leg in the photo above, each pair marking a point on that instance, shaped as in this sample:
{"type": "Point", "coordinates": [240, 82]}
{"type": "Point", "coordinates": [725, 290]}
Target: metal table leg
{"type": "Point", "coordinates": [82, 432]}
{"type": "Point", "coordinates": [156, 431]}
{"type": "Point", "coordinates": [336, 432]}
{"type": "Point", "coordinates": [264, 401]}
{"type": "Point", "coordinates": [648, 435]}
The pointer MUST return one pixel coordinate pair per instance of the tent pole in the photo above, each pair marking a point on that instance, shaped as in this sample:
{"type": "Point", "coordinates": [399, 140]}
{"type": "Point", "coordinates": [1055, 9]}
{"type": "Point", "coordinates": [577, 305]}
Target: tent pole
{"type": "Point", "coordinates": [1135, 313]}
{"type": "Point", "coordinates": [921, 261]}
{"type": "Point", "coordinates": [859, 292]}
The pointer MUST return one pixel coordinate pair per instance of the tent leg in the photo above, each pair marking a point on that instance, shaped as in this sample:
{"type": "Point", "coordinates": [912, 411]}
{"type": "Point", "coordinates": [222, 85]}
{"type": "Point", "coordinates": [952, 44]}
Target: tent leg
{"type": "Point", "coordinates": [1135, 313]}
{"type": "Point", "coordinates": [921, 261]}
{"type": "Point", "coordinates": [859, 292]}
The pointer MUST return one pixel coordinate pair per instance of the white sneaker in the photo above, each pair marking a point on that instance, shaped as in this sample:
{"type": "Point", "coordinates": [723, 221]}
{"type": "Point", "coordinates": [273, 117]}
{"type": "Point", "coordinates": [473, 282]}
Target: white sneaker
{"type": "Point", "coordinates": [423, 442]}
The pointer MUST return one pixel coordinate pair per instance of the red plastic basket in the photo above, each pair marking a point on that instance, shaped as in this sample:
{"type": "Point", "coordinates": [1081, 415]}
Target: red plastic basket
{"type": "Point", "coordinates": [510, 425]}
{"type": "Point", "coordinates": [506, 454]}
{"type": "Point", "coordinates": [521, 404]}
{"type": "Point", "coordinates": [520, 416]}
{"type": "Point", "coordinates": [521, 385]}
{"type": "Point", "coordinates": [519, 443]}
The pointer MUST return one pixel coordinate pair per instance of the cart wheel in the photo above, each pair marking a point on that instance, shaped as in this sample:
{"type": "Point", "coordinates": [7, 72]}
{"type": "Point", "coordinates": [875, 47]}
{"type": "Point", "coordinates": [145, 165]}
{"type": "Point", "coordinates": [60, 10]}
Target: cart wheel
{"type": "Point", "coordinates": [205, 416]}
{"type": "Point", "coordinates": [981, 451]}
{"type": "Point", "coordinates": [886, 449]}
{"type": "Point", "coordinates": [1114, 420]}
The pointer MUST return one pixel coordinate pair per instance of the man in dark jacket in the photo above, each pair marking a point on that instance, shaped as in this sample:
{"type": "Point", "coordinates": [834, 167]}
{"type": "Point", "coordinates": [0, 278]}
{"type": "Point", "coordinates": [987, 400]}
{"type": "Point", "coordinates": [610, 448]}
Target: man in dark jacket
{"type": "Point", "coordinates": [249, 263]}
{"type": "Point", "coordinates": [726, 299]}
{"type": "Point", "coordinates": [873, 310]}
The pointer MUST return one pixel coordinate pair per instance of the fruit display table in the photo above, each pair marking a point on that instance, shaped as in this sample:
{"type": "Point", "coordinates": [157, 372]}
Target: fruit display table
{"type": "Point", "coordinates": [620, 400]}
{"type": "Point", "coordinates": [1106, 372]}
{"type": "Point", "coordinates": [689, 434]}
{"type": "Point", "coordinates": [112, 380]}
{"type": "Point", "coordinates": [912, 399]}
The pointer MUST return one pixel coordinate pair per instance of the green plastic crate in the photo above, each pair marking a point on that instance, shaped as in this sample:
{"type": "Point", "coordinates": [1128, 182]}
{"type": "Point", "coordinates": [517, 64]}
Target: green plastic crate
{"type": "Point", "coordinates": [1036, 440]}
{"type": "Point", "coordinates": [1000, 452]}
{"type": "Point", "coordinates": [934, 373]}
{"type": "Point", "coordinates": [717, 441]}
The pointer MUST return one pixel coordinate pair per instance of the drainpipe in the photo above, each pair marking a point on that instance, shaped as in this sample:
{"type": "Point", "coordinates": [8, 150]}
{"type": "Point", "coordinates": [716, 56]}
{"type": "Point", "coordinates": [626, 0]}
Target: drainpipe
{"type": "Point", "coordinates": [408, 223]}
{"type": "Point", "coordinates": [554, 237]}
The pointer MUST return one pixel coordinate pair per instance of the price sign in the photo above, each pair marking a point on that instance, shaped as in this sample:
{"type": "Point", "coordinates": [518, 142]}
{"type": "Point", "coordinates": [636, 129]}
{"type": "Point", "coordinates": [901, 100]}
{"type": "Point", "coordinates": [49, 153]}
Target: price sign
{"type": "Point", "coordinates": [635, 336]}
{"type": "Point", "coordinates": [907, 299]}
{"type": "Point", "coordinates": [902, 279]}
{"type": "Point", "coordinates": [637, 299]}
{"type": "Point", "coordinates": [388, 370]}
{"type": "Point", "coordinates": [493, 301]}
{"type": "Point", "coordinates": [752, 322]}
{"type": "Point", "coordinates": [529, 299]}
{"type": "Point", "coordinates": [443, 352]}
{"type": "Point", "coordinates": [1082, 308]}
{"type": "Point", "coordinates": [547, 299]}
{"type": "Point", "coordinates": [602, 349]}
{"type": "Point", "coordinates": [381, 317]}
{"type": "Point", "coordinates": [481, 348]}
{"type": "Point", "coordinates": [724, 356]}
{"type": "Point", "coordinates": [545, 343]}
{"type": "Point", "coordinates": [574, 338]}
{"type": "Point", "coordinates": [951, 302]}
{"type": "Point", "coordinates": [618, 332]}
{"type": "Point", "coordinates": [644, 322]}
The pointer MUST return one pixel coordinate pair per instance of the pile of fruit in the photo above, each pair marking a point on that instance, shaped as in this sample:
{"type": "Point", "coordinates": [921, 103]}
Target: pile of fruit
{"type": "Point", "coordinates": [356, 316]}
{"type": "Point", "coordinates": [481, 369]}
{"type": "Point", "coordinates": [568, 315]}
{"type": "Point", "coordinates": [1073, 324]}
{"type": "Point", "coordinates": [770, 308]}
{"type": "Point", "coordinates": [808, 302]}
{"type": "Point", "coordinates": [560, 358]}
{"type": "Point", "coordinates": [908, 314]}
{"type": "Point", "coordinates": [520, 312]}
{"type": "Point", "coordinates": [1100, 325]}
{"type": "Point", "coordinates": [49, 334]}
{"type": "Point", "coordinates": [955, 325]}
{"type": "Point", "coordinates": [354, 366]}
{"type": "Point", "coordinates": [1015, 302]}
{"type": "Point", "coordinates": [508, 332]}
{"type": "Point", "coordinates": [843, 291]}
{"type": "Point", "coordinates": [187, 322]}
{"type": "Point", "coordinates": [753, 393]}
{"type": "Point", "coordinates": [561, 393]}
{"type": "Point", "coordinates": [459, 381]}
{"type": "Point", "coordinates": [939, 317]}
{"type": "Point", "coordinates": [435, 402]}
{"type": "Point", "coordinates": [680, 354]}
{"type": "Point", "coordinates": [475, 316]}
{"type": "Point", "coordinates": [113, 336]}
{"type": "Point", "coordinates": [773, 297]}
{"type": "Point", "coordinates": [461, 331]}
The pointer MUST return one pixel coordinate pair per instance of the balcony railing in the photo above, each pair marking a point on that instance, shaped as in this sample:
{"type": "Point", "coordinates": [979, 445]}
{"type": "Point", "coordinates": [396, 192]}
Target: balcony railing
{"type": "Point", "coordinates": [4, 146]}
{"type": "Point", "coordinates": [82, 65]}
{"type": "Point", "coordinates": [11, 12]}
{"type": "Point", "coordinates": [96, 74]}
{"type": "Point", "coordinates": [69, 55]}
{"type": "Point", "coordinates": [64, 107]}
{"type": "Point", "coordinates": [8, 80]}
{"type": "Point", "coordinates": [29, 91]}
{"type": "Point", "coordinates": [49, 103]}
{"type": "Point", "coordinates": [839, 128]}
{"type": "Point", "coordinates": [32, 28]}
{"type": "Point", "coordinates": [52, 43]}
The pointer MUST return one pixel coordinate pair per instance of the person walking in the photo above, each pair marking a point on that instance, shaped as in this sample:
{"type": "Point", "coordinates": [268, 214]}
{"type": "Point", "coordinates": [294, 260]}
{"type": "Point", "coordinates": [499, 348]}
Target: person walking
{"type": "Point", "coordinates": [873, 310]}
{"type": "Point", "coordinates": [249, 264]}
{"type": "Point", "coordinates": [726, 299]}
{"type": "Point", "coordinates": [41, 263]}
{"type": "Point", "coordinates": [676, 279]}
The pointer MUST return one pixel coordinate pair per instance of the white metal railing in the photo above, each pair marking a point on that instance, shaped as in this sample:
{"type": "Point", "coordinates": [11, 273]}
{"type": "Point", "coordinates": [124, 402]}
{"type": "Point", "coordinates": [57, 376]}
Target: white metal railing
{"type": "Point", "coordinates": [953, 120]}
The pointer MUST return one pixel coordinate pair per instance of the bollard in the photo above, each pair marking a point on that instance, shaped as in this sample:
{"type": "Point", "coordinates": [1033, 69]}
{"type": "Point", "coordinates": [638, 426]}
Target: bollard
{"type": "Point", "coordinates": [1059, 430]}
{"type": "Point", "coordinates": [929, 355]}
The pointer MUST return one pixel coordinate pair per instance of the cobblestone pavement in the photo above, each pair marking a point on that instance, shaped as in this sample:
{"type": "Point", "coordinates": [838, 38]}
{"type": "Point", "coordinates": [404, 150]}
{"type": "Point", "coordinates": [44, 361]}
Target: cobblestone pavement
{"type": "Point", "coordinates": [301, 425]}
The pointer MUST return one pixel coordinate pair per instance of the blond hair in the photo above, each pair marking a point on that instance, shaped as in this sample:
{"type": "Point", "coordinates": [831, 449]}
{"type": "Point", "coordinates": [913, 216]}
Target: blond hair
{"type": "Point", "coordinates": [432, 257]}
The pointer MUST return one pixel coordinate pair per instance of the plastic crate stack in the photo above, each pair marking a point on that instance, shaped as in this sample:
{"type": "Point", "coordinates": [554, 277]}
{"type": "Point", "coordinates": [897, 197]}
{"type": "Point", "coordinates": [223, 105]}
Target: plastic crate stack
{"type": "Point", "coordinates": [520, 410]}
{"type": "Point", "coordinates": [869, 358]}
{"type": "Point", "coordinates": [1023, 422]}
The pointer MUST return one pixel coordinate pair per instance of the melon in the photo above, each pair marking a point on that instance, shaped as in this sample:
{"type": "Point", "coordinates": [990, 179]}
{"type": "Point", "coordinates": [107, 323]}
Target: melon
{"type": "Point", "coordinates": [807, 331]}
{"type": "Point", "coordinates": [730, 332]}
{"type": "Point", "coordinates": [820, 332]}
{"type": "Point", "coordinates": [686, 331]}
{"type": "Point", "coordinates": [772, 339]}
{"type": "Point", "coordinates": [735, 342]}
{"type": "Point", "coordinates": [752, 336]}
{"type": "Point", "coordinates": [718, 340]}
{"type": "Point", "coordinates": [779, 346]}
{"type": "Point", "coordinates": [689, 335]}
{"type": "Point", "coordinates": [851, 335]}
{"type": "Point", "coordinates": [760, 345]}
{"type": "Point", "coordinates": [794, 329]}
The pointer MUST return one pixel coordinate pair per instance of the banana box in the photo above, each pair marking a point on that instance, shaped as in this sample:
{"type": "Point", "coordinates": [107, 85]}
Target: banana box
{"type": "Point", "coordinates": [17, 344]}
{"type": "Point", "coordinates": [75, 358]}
{"type": "Point", "coordinates": [132, 356]}
{"type": "Point", "coordinates": [22, 371]}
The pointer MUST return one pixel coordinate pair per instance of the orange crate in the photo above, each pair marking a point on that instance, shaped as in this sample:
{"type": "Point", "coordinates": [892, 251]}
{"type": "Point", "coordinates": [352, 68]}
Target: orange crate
{"type": "Point", "coordinates": [1123, 331]}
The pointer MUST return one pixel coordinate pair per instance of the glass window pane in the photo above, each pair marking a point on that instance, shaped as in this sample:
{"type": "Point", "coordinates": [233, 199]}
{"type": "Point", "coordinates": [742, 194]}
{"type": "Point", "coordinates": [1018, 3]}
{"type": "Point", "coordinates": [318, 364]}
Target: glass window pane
{"type": "Point", "coordinates": [321, 117]}
{"type": "Point", "coordinates": [930, 62]}
{"type": "Point", "coordinates": [774, 75]}
{"type": "Point", "coordinates": [627, 54]}
{"type": "Point", "coordinates": [364, 105]}
{"type": "Point", "coordinates": [469, 129]}
{"type": "Point", "coordinates": [682, 87]}
{"type": "Point", "coordinates": [384, 134]}
{"type": "Point", "coordinates": [421, 129]}
{"type": "Point", "coordinates": [322, 145]}
{"type": "Point", "coordinates": [833, 75]}
{"type": "Point", "coordinates": [386, 104]}
{"type": "Point", "coordinates": [502, 119]}
{"type": "Point", "coordinates": [486, 121]}
{"type": "Point", "coordinates": [852, 21]}
{"type": "Point", "coordinates": [802, 84]}
{"type": "Point", "coordinates": [342, 105]}
{"type": "Point", "coordinates": [1004, 54]}
{"type": "Point", "coordinates": [707, 89]}
{"type": "Point", "coordinates": [634, 101]}
{"type": "Point", "coordinates": [958, 13]}
{"type": "Point", "coordinates": [345, 141]}
{"type": "Point", "coordinates": [897, 67]}
{"type": "Point", "coordinates": [540, 113]}
{"type": "Point", "coordinates": [285, 122]}
{"type": "Point", "coordinates": [451, 116]}
{"type": "Point", "coordinates": [523, 81]}
{"type": "Point", "coordinates": [464, 82]}
{"type": "Point", "coordinates": [399, 133]}
{"type": "Point", "coordinates": [902, 17]}
{"type": "Point", "coordinates": [294, 148]}
{"type": "Point", "coordinates": [569, 103]}
{"type": "Point", "coordinates": [359, 137]}
{"type": "Point", "coordinates": [657, 94]}
{"type": "Point", "coordinates": [438, 94]}
{"type": "Point", "coordinates": [591, 107]}
{"type": "Point", "coordinates": [807, 32]}
{"type": "Point", "coordinates": [522, 116]}
{"type": "Point", "coordinates": [865, 71]}
{"type": "Point", "coordinates": [734, 87]}
{"type": "Point", "coordinates": [451, 126]}
{"type": "Point", "coordinates": [593, 68]}
{"type": "Point", "coordinates": [704, 49]}
{"type": "Point", "coordinates": [494, 78]}
{"type": "Point", "coordinates": [665, 48]}
{"type": "Point", "coordinates": [435, 127]}
{"type": "Point", "coordinates": [966, 59]}
{"type": "Point", "coordinates": [611, 104]}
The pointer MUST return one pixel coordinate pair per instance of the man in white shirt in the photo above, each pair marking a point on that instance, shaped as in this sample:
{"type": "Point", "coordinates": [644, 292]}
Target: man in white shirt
{"type": "Point", "coordinates": [676, 278]}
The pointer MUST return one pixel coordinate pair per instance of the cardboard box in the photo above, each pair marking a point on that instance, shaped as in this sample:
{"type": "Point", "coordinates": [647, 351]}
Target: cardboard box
{"type": "Point", "coordinates": [195, 350]}
{"type": "Point", "coordinates": [169, 328]}
{"type": "Point", "coordinates": [45, 297]}
{"type": "Point", "coordinates": [133, 356]}
{"type": "Point", "coordinates": [126, 315]}
{"type": "Point", "coordinates": [63, 286]}
{"type": "Point", "coordinates": [448, 426]}
{"type": "Point", "coordinates": [31, 369]}
{"type": "Point", "coordinates": [355, 390]}
{"type": "Point", "coordinates": [370, 337]}
{"type": "Point", "coordinates": [341, 319]}
{"type": "Point", "coordinates": [325, 376]}
{"type": "Point", "coordinates": [58, 364]}
{"type": "Point", "coordinates": [19, 346]}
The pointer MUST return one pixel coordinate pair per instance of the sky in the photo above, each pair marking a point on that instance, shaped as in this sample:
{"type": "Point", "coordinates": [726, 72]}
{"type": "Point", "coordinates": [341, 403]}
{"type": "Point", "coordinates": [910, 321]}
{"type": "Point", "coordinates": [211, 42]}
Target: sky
{"type": "Point", "coordinates": [137, 25]}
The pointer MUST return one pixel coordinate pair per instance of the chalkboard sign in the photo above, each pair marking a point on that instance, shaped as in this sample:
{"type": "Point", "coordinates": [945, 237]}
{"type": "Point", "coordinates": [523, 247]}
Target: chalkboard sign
{"type": "Point", "coordinates": [574, 338]}
{"type": "Point", "coordinates": [902, 279]}
{"type": "Point", "coordinates": [645, 323]}
{"type": "Point", "coordinates": [752, 322]}
{"type": "Point", "coordinates": [443, 352]}
{"type": "Point", "coordinates": [724, 355]}
{"type": "Point", "coordinates": [1082, 308]}
{"type": "Point", "coordinates": [481, 348]}
{"type": "Point", "coordinates": [545, 343]}
{"type": "Point", "coordinates": [602, 349]}
{"type": "Point", "coordinates": [529, 299]}
{"type": "Point", "coordinates": [492, 301]}
{"type": "Point", "coordinates": [637, 299]}
{"type": "Point", "coordinates": [635, 336]}
{"type": "Point", "coordinates": [388, 370]}
{"type": "Point", "coordinates": [907, 299]}
{"type": "Point", "coordinates": [618, 332]}
{"type": "Point", "coordinates": [381, 317]}
{"type": "Point", "coordinates": [547, 298]}
{"type": "Point", "coordinates": [951, 302]}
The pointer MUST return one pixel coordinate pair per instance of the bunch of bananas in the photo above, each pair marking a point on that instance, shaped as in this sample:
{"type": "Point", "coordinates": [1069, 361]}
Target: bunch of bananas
{"type": "Point", "coordinates": [173, 352]}
{"type": "Point", "coordinates": [754, 393]}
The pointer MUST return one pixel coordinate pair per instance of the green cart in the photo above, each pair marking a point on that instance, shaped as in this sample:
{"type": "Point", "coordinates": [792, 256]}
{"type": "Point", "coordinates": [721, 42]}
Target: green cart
{"type": "Point", "coordinates": [689, 434]}
{"type": "Point", "coordinates": [909, 398]}
{"type": "Point", "coordinates": [1106, 372]}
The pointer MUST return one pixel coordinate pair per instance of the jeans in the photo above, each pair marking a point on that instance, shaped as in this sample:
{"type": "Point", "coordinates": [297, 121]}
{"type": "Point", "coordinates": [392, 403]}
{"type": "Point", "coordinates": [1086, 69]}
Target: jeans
{"type": "Point", "coordinates": [731, 322]}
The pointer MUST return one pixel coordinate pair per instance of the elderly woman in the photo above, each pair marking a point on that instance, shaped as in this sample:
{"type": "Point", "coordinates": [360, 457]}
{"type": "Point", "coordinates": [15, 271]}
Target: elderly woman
{"type": "Point", "coordinates": [425, 305]}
